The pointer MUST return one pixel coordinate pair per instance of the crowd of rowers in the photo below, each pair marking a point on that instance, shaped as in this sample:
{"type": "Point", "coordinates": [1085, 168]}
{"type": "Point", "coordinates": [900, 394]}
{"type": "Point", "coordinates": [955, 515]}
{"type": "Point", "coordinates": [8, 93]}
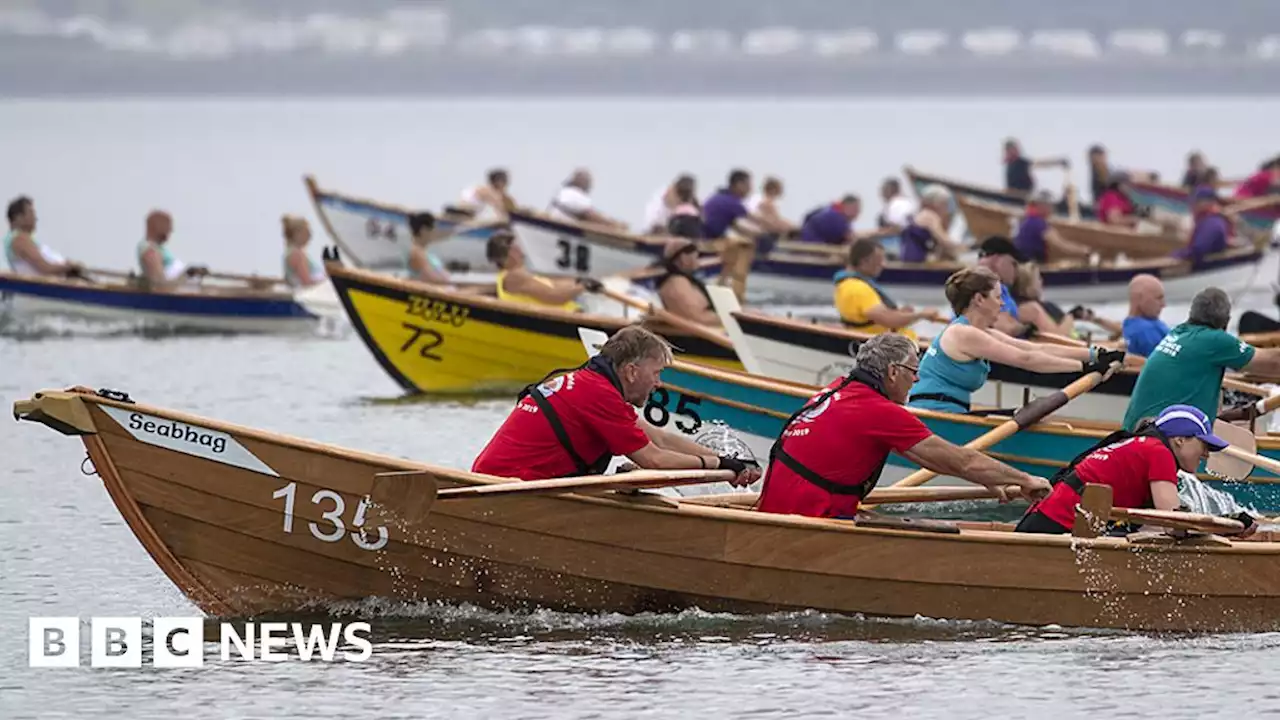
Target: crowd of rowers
{"type": "Point", "coordinates": [831, 452]}
{"type": "Point", "coordinates": [158, 268]}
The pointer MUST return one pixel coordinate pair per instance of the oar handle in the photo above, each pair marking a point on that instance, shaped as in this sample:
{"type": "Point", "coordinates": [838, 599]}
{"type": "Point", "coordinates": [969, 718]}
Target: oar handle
{"type": "Point", "coordinates": [668, 317]}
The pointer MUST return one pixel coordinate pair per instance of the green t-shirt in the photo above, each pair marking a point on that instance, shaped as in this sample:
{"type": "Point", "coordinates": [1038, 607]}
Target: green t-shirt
{"type": "Point", "coordinates": [1186, 368]}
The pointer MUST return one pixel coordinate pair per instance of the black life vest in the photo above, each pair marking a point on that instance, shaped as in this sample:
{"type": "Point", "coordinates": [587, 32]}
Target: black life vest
{"type": "Point", "coordinates": [598, 364]}
{"type": "Point", "coordinates": [777, 454]}
{"type": "Point", "coordinates": [672, 271]}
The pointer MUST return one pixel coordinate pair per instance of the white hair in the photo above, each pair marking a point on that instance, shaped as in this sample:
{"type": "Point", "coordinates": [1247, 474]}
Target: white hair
{"type": "Point", "coordinates": [934, 194]}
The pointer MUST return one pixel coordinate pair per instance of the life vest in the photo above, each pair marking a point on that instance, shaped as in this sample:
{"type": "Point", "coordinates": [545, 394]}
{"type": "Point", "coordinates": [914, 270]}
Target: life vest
{"type": "Point", "coordinates": [777, 454]}
{"type": "Point", "coordinates": [599, 364]}
{"type": "Point", "coordinates": [885, 300]}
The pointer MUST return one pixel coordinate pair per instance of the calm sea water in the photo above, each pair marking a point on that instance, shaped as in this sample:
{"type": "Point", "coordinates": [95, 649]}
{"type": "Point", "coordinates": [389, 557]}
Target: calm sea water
{"type": "Point", "coordinates": [228, 169]}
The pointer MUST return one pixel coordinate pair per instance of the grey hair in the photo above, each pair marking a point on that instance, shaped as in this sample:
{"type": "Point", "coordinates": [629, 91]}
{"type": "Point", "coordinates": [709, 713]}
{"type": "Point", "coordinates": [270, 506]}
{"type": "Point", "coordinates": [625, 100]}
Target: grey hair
{"type": "Point", "coordinates": [935, 194]}
{"type": "Point", "coordinates": [1210, 307]}
{"type": "Point", "coordinates": [877, 354]}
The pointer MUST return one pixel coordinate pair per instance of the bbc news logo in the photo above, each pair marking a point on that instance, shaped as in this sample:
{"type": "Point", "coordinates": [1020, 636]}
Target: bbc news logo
{"type": "Point", "coordinates": [179, 642]}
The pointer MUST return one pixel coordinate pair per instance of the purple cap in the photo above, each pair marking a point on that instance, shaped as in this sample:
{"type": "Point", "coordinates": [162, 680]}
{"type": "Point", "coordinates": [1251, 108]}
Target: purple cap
{"type": "Point", "coordinates": [1189, 421]}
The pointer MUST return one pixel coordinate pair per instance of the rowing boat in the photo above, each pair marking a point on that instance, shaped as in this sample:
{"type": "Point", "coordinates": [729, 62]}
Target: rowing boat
{"type": "Point", "coordinates": [433, 340]}
{"type": "Point", "coordinates": [960, 188]}
{"type": "Point", "coordinates": [756, 407]}
{"type": "Point", "coordinates": [247, 305]}
{"type": "Point", "coordinates": [250, 523]}
{"type": "Point", "coordinates": [987, 218]}
{"type": "Point", "coordinates": [376, 234]}
{"type": "Point", "coordinates": [1178, 200]}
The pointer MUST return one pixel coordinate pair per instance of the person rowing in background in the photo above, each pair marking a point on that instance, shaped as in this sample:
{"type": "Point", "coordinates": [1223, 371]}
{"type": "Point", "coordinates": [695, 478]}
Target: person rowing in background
{"type": "Point", "coordinates": [999, 255]}
{"type": "Point", "coordinates": [658, 212]}
{"type": "Point", "coordinates": [1187, 366]}
{"type": "Point", "coordinates": [1262, 183]}
{"type": "Point", "coordinates": [1033, 309]}
{"type": "Point", "coordinates": [490, 195]}
{"type": "Point", "coordinates": [1039, 241]}
{"type": "Point", "coordinates": [1212, 232]}
{"type": "Point", "coordinates": [925, 236]}
{"type": "Point", "coordinates": [573, 202]}
{"type": "Point", "coordinates": [959, 359]}
{"type": "Point", "coordinates": [573, 424]}
{"type": "Point", "coordinates": [26, 255]}
{"type": "Point", "coordinates": [864, 305]}
{"type": "Point", "coordinates": [424, 265]}
{"type": "Point", "coordinates": [1143, 329]}
{"type": "Point", "coordinates": [160, 268]}
{"type": "Point", "coordinates": [300, 270]}
{"type": "Point", "coordinates": [516, 284]}
{"type": "Point", "coordinates": [898, 208]}
{"type": "Point", "coordinates": [1017, 168]}
{"type": "Point", "coordinates": [831, 452]}
{"type": "Point", "coordinates": [1141, 468]}
{"type": "Point", "coordinates": [763, 208]}
{"type": "Point", "coordinates": [832, 224]}
{"type": "Point", "coordinates": [682, 292]}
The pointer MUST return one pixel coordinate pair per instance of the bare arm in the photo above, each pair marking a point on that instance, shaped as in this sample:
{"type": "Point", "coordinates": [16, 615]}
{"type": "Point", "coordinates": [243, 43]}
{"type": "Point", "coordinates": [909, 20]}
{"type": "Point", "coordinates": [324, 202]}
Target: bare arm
{"type": "Point", "coordinates": [768, 217]}
{"type": "Point", "coordinates": [591, 215]}
{"type": "Point", "coordinates": [947, 247]}
{"type": "Point", "coordinates": [153, 269]}
{"type": "Point", "coordinates": [893, 319]}
{"type": "Point", "coordinates": [423, 270]}
{"type": "Point", "coordinates": [1051, 162]}
{"type": "Point", "coordinates": [25, 248]}
{"type": "Point", "coordinates": [944, 458]}
{"type": "Point", "coordinates": [1164, 495]}
{"type": "Point", "coordinates": [674, 442]}
{"type": "Point", "coordinates": [680, 297]}
{"type": "Point", "coordinates": [975, 343]}
{"type": "Point", "coordinates": [522, 283]}
{"type": "Point", "coordinates": [1063, 351]}
{"type": "Point", "coordinates": [1266, 361]}
{"type": "Point", "coordinates": [1062, 246]}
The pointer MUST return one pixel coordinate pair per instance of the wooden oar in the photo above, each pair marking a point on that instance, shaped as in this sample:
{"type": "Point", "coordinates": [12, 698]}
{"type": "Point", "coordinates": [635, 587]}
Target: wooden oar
{"type": "Point", "coordinates": [1029, 414]}
{"type": "Point", "coordinates": [668, 317]}
{"type": "Point", "coordinates": [638, 479]}
{"type": "Point", "coordinates": [1095, 508]}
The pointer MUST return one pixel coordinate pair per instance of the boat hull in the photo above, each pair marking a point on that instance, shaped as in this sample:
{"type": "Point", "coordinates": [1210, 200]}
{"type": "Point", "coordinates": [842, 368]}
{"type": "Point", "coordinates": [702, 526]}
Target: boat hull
{"type": "Point", "coordinates": [23, 298]}
{"type": "Point", "coordinates": [270, 524]}
{"type": "Point", "coordinates": [1178, 200]}
{"type": "Point", "coordinates": [431, 340]}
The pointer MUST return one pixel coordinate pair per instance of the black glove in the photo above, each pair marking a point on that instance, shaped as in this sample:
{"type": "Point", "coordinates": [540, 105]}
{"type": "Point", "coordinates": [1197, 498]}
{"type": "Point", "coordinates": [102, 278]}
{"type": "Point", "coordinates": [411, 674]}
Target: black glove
{"type": "Point", "coordinates": [591, 284]}
{"type": "Point", "coordinates": [1103, 361]}
{"type": "Point", "coordinates": [736, 465]}
{"type": "Point", "coordinates": [1143, 211]}
{"type": "Point", "coordinates": [1080, 312]}
{"type": "Point", "coordinates": [1028, 332]}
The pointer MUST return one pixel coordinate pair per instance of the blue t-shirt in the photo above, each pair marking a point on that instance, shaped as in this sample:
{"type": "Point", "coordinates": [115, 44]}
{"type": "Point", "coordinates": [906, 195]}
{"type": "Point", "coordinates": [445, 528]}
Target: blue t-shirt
{"type": "Point", "coordinates": [1006, 301]}
{"type": "Point", "coordinates": [828, 225]}
{"type": "Point", "coordinates": [1030, 237]}
{"type": "Point", "coordinates": [1141, 334]}
{"type": "Point", "coordinates": [719, 212]}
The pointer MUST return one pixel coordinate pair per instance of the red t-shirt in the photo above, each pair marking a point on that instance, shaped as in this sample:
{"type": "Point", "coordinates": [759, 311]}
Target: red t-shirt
{"type": "Point", "coordinates": [1129, 467]}
{"type": "Point", "coordinates": [843, 440]}
{"type": "Point", "coordinates": [1113, 200]}
{"type": "Point", "coordinates": [1258, 185]}
{"type": "Point", "coordinates": [595, 418]}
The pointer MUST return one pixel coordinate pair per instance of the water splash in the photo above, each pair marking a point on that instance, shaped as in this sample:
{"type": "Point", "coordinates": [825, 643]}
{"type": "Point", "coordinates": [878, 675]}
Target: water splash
{"type": "Point", "coordinates": [1208, 500]}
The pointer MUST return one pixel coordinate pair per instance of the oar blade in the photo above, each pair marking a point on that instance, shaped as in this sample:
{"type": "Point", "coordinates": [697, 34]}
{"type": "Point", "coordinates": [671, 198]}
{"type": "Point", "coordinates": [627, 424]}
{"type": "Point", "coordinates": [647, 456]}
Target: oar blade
{"type": "Point", "coordinates": [1093, 511]}
{"type": "Point", "coordinates": [402, 499]}
{"type": "Point", "coordinates": [1230, 465]}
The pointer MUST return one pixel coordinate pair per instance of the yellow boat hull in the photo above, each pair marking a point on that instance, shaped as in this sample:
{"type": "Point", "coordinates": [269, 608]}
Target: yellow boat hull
{"type": "Point", "coordinates": [432, 340]}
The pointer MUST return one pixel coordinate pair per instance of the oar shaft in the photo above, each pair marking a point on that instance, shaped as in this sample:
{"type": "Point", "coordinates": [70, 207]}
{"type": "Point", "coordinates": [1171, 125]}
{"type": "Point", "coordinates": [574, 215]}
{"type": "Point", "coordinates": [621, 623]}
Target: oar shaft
{"type": "Point", "coordinates": [1262, 461]}
{"type": "Point", "coordinates": [637, 479]}
{"type": "Point", "coordinates": [672, 319]}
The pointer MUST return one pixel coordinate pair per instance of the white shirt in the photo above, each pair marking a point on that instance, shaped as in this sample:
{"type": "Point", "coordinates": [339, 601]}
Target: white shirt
{"type": "Point", "coordinates": [656, 213]}
{"type": "Point", "coordinates": [753, 203]}
{"type": "Point", "coordinates": [899, 210]}
{"type": "Point", "coordinates": [570, 203]}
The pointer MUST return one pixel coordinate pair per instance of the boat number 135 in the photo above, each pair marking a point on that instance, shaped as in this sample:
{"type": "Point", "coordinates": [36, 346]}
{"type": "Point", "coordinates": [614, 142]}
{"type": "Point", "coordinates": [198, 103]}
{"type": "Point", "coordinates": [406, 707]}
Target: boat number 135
{"type": "Point", "coordinates": [657, 411]}
{"type": "Point", "coordinates": [334, 528]}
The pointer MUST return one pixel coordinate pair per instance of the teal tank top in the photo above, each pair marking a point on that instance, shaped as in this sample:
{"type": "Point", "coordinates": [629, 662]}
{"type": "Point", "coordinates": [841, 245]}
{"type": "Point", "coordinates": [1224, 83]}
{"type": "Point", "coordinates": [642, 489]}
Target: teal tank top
{"type": "Point", "coordinates": [291, 278]}
{"type": "Point", "coordinates": [432, 259]}
{"type": "Point", "coordinates": [8, 251]}
{"type": "Point", "coordinates": [947, 384]}
{"type": "Point", "coordinates": [165, 256]}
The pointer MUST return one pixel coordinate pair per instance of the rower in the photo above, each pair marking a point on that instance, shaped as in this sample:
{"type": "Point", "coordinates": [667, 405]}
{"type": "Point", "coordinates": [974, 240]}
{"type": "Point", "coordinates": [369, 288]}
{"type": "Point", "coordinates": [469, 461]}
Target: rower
{"type": "Point", "coordinates": [1197, 172]}
{"type": "Point", "coordinates": [574, 423]}
{"type": "Point", "coordinates": [1017, 168]}
{"type": "Point", "coordinates": [1143, 329]}
{"type": "Point", "coordinates": [160, 269]}
{"type": "Point", "coordinates": [1187, 366]}
{"type": "Point", "coordinates": [898, 208]}
{"type": "Point", "coordinates": [491, 194]}
{"type": "Point", "coordinates": [26, 255]}
{"type": "Point", "coordinates": [1033, 309]}
{"type": "Point", "coordinates": [1264, 182]}
{"type": "Point", "coordinates": [682, 292]}
{"type": "Point", "coordinates": [1039, 241]}
{"type": "Point", "coordinates": [724, 208]}
{"type": "Point", "coordinates": [763, 208]}
{"type": "Point", "coordinates": [833, 224]}
{"type": "Point", "coordinates": [1140, 467]}
{"type": "Point", "coordinates": [832, 450]}
{"type": "Point", "coordinates": [1115, 207]}
{"type": "Point", "coordinates": [925, 236]}
{"type": "Point", "coordinates": [862, 303]}
{"type": "Point", "coordinates": [959, 359]}
{"type": "Point", "coordinates": [517, 284]}
{"type": "Point", "coordinates": [1212, 231]}
{"type": "Point", "coordinates": [999, 255]}
{"type": "Point", "coordinates": [424, 265]}
{"type": "Point", "coordinates": [659, 210]}
{"type": "Point", "coordinates": [573, 202]}
{"type": "Point", "coordinates": [300, 271]}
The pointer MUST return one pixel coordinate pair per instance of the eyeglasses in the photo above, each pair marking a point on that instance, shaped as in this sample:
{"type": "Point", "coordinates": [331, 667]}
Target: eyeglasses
{"type": "Point", "coordinates": [913, 369]}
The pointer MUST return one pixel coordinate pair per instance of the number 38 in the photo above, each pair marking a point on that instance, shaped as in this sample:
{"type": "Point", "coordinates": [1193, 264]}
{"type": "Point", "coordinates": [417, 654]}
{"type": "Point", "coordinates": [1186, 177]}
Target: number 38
{"type": "Point", "coordinates": [655, 411]}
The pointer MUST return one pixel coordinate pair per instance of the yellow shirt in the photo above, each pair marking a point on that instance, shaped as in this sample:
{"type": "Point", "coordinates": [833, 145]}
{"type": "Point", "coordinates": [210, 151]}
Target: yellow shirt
{"type": "Point", "coordinates": [854, 297]}
{"type": "Point", "coordinates": [516, 297]}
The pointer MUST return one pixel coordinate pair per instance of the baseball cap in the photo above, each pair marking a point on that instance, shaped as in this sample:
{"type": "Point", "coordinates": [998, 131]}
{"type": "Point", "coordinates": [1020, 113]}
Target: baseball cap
{"type": "Point", "coordinates": [1189, 421]}
{"type": "Point", "coordinates": [999, 245]}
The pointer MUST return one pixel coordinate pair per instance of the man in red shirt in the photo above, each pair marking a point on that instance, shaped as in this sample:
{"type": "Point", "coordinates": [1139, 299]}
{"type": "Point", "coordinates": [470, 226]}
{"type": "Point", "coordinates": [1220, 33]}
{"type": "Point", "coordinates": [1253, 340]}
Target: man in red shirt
{"type": "Point", "coordinates": [1141, 468]}
{"type": "Point", "coordinates": [1115, 207]}
{"type": "Point", "coordinates": [831, 452]}
{"type": "Point", "coordinates": [573, 424]}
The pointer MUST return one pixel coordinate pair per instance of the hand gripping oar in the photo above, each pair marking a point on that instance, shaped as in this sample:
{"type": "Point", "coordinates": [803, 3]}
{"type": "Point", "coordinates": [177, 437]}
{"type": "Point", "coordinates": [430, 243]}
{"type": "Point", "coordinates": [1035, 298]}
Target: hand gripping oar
{"type": "Point", "coordinates": [668, 317]}
{"type": "Point", "coordinates": [1026, 416]}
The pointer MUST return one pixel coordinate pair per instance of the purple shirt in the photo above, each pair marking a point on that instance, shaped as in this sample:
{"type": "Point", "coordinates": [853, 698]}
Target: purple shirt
{"type": "Point", "coordinates": [1209, 236]}
{"type": "Point", "coordinates": [719, 212]}
{"type": "Point", "coordinates": [914, 243]}
{"type": "Point", "coordinates": [1030, 237]}
{"type": "Point", "coordinates": [828, 225]}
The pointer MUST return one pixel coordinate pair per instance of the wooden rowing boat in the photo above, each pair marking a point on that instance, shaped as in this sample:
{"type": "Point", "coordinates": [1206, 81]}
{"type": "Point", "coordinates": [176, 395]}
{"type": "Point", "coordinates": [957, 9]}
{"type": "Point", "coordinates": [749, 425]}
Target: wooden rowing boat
{"type": "Point", "coordinates": [249, 523]}
{"type": "Point", "coordinates": [986, 218]}
{"type": "Point", "coordinates": [433, 340]}
{"type": "Point", "coordinates": [1262, 217]}
{"type": "Point", "coordinates": [960, 188]}
{"type": "Point", "coordinates": [376, 235]}
{"type": "Point", "coordinates": [234, 304]}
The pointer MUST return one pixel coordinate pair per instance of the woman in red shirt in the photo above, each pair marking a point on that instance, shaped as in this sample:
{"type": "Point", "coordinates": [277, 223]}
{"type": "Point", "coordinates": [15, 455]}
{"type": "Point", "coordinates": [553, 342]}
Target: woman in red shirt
{"type": "Point", "coordinates": [1141, 468]}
